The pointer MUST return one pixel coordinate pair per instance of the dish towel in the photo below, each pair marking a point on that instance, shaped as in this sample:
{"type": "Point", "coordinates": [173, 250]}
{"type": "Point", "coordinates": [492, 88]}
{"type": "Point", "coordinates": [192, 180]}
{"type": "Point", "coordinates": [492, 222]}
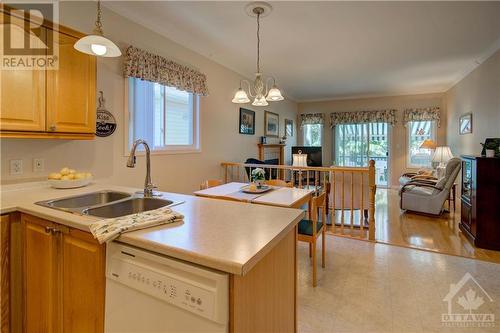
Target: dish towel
{"type": "Point", "coordinates": [108, 229]}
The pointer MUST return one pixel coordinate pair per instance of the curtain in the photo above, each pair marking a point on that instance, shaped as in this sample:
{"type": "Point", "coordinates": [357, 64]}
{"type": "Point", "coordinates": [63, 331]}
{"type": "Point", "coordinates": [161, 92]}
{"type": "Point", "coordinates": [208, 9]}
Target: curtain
{"type": "Point", "coordinates": [311, 119]}
{"type": "Point", "coordinates": [154, 68]}
{"type": "Point", "coordinates": [363, 117]}
{"type": "Point", "coordinates": [422, 114]}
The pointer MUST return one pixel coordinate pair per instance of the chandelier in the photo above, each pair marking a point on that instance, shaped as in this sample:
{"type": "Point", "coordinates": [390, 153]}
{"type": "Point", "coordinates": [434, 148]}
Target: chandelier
{"type": "Point", "coordinates": [259, 90]}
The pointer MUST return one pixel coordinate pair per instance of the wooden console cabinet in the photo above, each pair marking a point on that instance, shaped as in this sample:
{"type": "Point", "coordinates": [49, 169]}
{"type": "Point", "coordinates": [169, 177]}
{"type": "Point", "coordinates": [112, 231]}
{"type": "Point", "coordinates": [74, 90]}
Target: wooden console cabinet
{"type": "Point", "coordinates": [480, 196]}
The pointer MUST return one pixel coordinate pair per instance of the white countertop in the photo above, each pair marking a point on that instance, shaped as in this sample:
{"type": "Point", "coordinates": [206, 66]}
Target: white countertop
{"type": "Point", "coordinates": [223, 235]}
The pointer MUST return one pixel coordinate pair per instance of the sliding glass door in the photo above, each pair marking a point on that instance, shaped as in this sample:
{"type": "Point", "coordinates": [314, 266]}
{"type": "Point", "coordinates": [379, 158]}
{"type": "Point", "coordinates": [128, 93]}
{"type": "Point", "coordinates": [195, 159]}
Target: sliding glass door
{"type": "Point", "coordinates": [356, 144]}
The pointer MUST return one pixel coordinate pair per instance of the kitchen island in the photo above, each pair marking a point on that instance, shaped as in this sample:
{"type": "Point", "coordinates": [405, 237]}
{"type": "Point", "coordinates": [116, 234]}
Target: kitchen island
{"type": "Point", "coordinates": [254, 244]}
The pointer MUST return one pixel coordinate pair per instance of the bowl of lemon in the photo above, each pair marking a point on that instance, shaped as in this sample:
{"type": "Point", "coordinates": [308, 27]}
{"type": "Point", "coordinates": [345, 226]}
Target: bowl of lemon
{"type": "Point", "coordinates": [69, 178]}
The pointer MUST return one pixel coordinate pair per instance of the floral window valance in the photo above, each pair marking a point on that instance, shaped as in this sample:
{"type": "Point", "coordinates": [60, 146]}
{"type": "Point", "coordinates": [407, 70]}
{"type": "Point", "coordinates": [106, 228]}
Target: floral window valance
{"type": "Point", "coordinates": [311, 119]}
{"type": "Point", "coordinates": [359, 117]}
{"type": "Point", "coordinates": [151, 67]}
{"type": "Point", "coordinates": [422, 114]}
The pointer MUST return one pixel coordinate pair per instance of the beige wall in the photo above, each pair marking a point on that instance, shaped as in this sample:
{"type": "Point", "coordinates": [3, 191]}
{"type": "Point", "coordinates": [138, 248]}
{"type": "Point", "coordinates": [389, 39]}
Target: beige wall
{"type": "Point", "coordinates": [478, 93]}
{"type": "Point", "coordinates": [398, 132]}
{"type": "Point", "coordinates": [104, 157]}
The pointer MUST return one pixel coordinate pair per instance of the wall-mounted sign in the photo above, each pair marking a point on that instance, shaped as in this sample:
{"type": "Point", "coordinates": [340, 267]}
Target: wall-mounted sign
{"type": "Point", "coordinates": [105, 121]}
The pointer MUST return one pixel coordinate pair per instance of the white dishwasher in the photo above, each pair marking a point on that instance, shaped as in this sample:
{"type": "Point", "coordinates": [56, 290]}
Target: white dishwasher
{"type": "Point", "coordinates": [146, 292]}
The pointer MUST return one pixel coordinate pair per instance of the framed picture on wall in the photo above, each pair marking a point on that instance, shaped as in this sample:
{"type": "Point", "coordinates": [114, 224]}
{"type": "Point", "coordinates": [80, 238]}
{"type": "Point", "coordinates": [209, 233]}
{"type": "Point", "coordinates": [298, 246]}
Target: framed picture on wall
{"type": "Point", "coordinates": [247, 121]}
{"type": "Point", "coordinates": [288, 128]}
{"type": "Point", "coordinates": [271, 124]}
{"type": "Point", "coordinates": [465, 123]}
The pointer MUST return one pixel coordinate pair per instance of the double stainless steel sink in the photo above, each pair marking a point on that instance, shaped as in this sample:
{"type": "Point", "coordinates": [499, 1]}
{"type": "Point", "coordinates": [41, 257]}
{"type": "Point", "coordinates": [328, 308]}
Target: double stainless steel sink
{"type": "Point", "coordinates": [107, 204]}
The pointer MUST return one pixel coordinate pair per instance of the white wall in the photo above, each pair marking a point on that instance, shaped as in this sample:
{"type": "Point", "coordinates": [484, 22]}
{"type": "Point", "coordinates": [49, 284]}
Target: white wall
{"type": "Point", "coordinates": [397, 150]}
{"type": "Point", "coordinates": [478, 93]}
{"type": "Point", "coordinates": [104, 157]}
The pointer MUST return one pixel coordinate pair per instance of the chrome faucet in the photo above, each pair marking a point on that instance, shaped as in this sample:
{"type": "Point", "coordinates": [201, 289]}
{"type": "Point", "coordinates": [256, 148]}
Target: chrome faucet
{"type": "Point", "coordinates": [148, 186]}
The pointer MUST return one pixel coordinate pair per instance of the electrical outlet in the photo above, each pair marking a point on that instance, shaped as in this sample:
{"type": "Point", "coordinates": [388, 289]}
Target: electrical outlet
{"type": "Point", "coordinates": [16, 167]}
{"type": "Point", "coordinates": [38, 165]}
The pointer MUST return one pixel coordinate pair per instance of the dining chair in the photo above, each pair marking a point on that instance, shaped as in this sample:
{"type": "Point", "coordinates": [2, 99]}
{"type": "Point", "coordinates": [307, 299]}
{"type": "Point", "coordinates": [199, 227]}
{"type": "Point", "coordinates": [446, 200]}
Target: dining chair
{"type": "Point", "coordinates": [210, 183]}
{"type": "Point", "coordinates": [310, 229]}
{"type": "Point", "coordinates": [278, 182]}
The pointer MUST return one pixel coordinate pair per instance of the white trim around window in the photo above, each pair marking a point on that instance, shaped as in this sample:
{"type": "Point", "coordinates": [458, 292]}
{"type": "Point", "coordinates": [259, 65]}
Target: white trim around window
{"type": "Point", "coordinates": [195, 129]}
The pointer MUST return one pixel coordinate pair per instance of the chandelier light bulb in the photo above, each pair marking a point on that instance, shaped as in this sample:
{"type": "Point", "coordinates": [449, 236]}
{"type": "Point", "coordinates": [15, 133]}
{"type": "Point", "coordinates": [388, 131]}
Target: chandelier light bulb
{"type": "Point", "coordinates": [260, 101]}
{"type": "Point", "coordinates": [98, 49]}
{"type": "Point", "coordinates": [274, 95]}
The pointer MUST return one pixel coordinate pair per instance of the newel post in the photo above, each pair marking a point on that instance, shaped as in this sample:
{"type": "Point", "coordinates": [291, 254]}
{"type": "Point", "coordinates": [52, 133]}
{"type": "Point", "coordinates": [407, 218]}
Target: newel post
{"type": "Point", "coordinates": [372, 188]}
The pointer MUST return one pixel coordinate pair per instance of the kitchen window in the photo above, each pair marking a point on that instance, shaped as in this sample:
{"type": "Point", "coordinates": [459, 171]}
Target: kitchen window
{"type": "Point", "coordinates": [418, 131]}
{"type": "Point", "coordinates": [167, 118]}
{"type": "Point", "coordinates": [312, 134]}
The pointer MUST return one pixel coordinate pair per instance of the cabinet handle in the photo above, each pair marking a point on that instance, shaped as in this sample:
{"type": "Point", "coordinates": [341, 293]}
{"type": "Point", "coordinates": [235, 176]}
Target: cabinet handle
{"type": "Point", "coordinates": [48, 229]}
{"type": "Point", "coordinates": [55, 231]}
{"type": "Point", "coordinates": [52, 127]}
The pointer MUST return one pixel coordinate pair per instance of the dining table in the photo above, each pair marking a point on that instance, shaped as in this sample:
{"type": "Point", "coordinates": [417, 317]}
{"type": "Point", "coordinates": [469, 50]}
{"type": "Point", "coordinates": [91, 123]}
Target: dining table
{"type": "Point", "coordinates": [290, 197]}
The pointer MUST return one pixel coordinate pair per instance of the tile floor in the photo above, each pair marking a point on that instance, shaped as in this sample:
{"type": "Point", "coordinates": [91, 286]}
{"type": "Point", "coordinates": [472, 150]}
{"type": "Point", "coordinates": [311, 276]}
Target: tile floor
{"type": "Point", "coordinates": [373, 287]}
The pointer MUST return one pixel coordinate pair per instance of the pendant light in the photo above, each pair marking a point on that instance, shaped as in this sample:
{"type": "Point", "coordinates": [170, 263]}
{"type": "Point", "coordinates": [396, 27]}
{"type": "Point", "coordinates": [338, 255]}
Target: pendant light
{"type": "Point", "coordinates": [261, 92]}
{"type": "Point", "coordinates": [96, 44]}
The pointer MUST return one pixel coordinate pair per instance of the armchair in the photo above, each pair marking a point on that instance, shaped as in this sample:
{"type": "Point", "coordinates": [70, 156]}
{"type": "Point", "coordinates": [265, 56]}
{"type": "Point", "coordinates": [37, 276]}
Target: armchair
{"type": "Point", "coordinates": [426, 196]}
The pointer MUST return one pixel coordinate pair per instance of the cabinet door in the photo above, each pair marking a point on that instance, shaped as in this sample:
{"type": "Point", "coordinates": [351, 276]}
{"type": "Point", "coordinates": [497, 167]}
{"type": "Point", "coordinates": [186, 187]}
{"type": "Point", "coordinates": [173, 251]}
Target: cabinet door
{"type": "Point", "coordinates": [71, 90]}
{"type": "Point", "coordinates": [41, 276]}
{"type": "Point", "coordinates": [22, 91]}
{"type": "Point", "coordinates": [83, 283]}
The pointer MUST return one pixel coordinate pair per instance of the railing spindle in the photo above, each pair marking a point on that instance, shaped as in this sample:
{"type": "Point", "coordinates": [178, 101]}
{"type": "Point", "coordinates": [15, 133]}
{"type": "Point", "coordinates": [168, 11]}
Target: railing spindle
{"type": "Point", "coordinates": [352, 200]}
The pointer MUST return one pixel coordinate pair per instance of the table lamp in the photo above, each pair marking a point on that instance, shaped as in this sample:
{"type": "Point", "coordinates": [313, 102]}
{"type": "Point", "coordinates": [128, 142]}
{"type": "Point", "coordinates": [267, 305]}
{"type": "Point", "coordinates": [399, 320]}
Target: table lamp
{"type": "Point", "coordinates": [442, 155]}
{"type": "Point", "coordinates": [299, 160]}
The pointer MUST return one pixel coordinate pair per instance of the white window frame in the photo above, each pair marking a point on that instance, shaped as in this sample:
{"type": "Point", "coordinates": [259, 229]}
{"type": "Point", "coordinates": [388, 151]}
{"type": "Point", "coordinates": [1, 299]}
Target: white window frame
{"type": "Point", "coordinates": [320, 135]}
{"type": "Point", "coordinates": [408, 148]}
{"type": "Point", "coordinates": [164, 150]}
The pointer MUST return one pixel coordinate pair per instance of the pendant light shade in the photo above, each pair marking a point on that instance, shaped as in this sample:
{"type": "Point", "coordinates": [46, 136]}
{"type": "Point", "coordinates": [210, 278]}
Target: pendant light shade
{"type": "Point", "coordinates": [240, 97]}
{"type": "Point", "coordinates": [260, 101]}
{"type": "Point", "coordinates": [274, 95]}
{"type": "Point", "coordinates": [96, 44]}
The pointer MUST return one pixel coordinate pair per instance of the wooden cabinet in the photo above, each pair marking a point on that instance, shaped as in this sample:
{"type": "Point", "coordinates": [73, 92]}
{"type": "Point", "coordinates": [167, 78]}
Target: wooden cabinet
{"type": "Point", "coordinates": [480, 212]}
{"type": "Point", "coordinates": [50, 103]}
{"type": "Point", "coordinates": [63, 278]}
{"type": "Point", "coordinates": [71, 90]}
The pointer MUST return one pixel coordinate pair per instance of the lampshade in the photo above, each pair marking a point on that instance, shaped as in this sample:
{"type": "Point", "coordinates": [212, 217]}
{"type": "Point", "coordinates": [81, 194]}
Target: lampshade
{"type": "Point", "coordinates": [240, 97]}
{"type": "Point", "coordinates": [299, 160]}
{"type": "Point", "coordinates": [442, 155]}
{"type": "Point", "coordinates": [274, 95]}
{"type": "Point", "coordinates": [97, 45]}
{"type": "Point", "coordinates": [260, 101]}
{"type": "Point", "coordinates": [428, 144]}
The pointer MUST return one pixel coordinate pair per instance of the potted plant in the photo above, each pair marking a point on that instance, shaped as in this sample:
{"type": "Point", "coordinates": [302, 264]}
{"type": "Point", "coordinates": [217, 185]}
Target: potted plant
{"type": "Point", "coordinates": [490, 148]}
{"type": "Point", "coordinates": [258, 177]}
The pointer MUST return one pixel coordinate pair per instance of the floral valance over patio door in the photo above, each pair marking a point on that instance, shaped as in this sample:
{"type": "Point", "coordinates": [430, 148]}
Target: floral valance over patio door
{"type": "Point", "coordinates": [311, 119]}
{"type": "Point", "coordinates": [422, 114]}
{"type": "Point", "coordinates": [151, 67]}
{"type": "Point", "coordinates": [363, 117]}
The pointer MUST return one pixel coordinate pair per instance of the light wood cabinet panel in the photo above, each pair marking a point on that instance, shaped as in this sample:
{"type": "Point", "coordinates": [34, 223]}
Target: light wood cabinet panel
{"type": "Point", "coordinates": [22, 92]}
{"type": "Point", "coordinates": [71, 90]}
{"type": "Point", "coordinates": [83, 283]}
{"type": "Point", "coordinates": [5, 273]}
{"type": "Point", "coordinates": [41, 276]}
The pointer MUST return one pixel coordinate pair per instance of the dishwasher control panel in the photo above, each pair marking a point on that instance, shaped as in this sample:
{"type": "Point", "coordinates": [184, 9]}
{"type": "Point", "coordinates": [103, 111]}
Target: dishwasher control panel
{"type": "Point", "coordinates": [200, 291]}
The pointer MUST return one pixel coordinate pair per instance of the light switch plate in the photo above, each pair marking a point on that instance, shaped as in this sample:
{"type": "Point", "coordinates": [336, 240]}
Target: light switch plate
{"type": "Point", "coordinates": [16, 167]}
{"type": "Point", "coordinates": [38, 165]}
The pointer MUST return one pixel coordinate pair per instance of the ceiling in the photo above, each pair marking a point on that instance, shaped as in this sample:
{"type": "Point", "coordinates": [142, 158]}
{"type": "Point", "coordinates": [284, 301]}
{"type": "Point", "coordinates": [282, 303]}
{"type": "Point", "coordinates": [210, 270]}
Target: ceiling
{"type": "Point", "coordinates": [329, 50]}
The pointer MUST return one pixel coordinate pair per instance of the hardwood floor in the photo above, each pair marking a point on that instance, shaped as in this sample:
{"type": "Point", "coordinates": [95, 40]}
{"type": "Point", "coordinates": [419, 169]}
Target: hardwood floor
{"type": "Point", "coordinates": [438, 234]}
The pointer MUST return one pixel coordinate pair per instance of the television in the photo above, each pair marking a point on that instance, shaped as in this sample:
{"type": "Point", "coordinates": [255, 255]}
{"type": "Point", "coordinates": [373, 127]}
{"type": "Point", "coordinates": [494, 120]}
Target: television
{"type": "Point", "coordinates": [314, 155]}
